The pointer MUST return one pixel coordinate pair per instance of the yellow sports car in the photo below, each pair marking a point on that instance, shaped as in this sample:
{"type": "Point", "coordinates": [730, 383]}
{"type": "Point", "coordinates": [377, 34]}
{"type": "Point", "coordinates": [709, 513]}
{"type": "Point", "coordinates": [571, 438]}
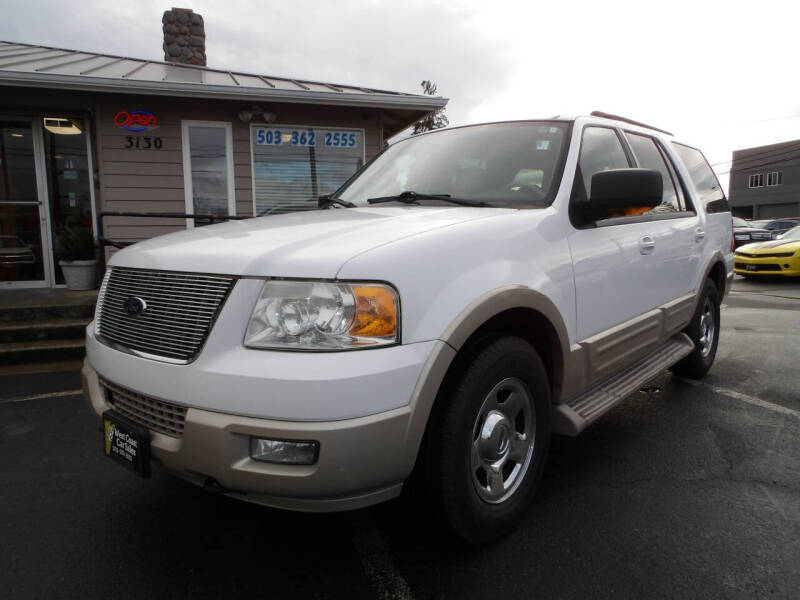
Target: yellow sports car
{"type": "Point", "coordinates": [780, 256]}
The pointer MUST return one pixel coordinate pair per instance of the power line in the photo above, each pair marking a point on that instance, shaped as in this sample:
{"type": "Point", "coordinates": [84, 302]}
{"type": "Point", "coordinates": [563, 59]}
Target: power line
{"type": "Point", "coordinates": [749, 168]}
{"type": "Point", "coordinates": [788, 149]}
{"type": "Point", "coordinates": [745, 163]}
{"type": "Point", "coordinates": [775, 119]}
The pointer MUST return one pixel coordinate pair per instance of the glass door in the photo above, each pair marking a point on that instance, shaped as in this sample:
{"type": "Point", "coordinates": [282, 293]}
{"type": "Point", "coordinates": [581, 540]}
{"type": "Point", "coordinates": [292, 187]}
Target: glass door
{"type": "Point", "coordinates": [24, 251]}
{"type": "Point", "coordinates": [66, 158]}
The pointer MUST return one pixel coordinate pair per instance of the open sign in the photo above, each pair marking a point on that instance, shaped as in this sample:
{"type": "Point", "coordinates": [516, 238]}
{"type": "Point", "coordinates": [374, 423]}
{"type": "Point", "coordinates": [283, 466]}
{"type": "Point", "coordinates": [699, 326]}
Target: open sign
{"type": "Point", "coordinates": [136, 120]}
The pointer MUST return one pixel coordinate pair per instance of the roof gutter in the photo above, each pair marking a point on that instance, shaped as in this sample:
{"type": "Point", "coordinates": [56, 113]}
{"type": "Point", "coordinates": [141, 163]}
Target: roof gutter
{"type": "Point", "coordinates": [221, 92]}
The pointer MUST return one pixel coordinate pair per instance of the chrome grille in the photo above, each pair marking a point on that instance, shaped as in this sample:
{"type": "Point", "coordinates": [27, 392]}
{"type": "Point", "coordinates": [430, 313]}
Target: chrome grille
{"type": "Point", "coordinates": [156, 415]}
{"type": "Point", "coordinates": [181, 309]}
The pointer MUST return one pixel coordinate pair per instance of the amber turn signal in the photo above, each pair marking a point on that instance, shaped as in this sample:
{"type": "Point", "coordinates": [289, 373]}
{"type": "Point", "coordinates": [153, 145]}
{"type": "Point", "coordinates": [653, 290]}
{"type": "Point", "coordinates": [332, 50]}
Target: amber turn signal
{"type": "Point", "coordinates": [376, 312]}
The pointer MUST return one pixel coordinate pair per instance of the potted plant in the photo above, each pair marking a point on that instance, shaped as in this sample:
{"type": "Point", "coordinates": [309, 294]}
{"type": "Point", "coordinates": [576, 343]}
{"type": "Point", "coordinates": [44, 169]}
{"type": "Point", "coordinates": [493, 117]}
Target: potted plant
{"type": "Point", "coordinates": [76, 253]}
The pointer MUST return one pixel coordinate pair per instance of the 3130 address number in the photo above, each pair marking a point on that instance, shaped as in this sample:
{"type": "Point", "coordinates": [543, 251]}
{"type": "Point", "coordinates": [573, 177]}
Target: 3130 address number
{"type": "Point", "coordinates": [143, 142]}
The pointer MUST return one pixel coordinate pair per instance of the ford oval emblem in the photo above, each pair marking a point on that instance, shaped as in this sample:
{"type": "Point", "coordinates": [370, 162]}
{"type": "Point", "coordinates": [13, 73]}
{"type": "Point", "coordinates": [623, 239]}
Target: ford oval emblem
{"type": "Point", "coordinates": [134, 306]}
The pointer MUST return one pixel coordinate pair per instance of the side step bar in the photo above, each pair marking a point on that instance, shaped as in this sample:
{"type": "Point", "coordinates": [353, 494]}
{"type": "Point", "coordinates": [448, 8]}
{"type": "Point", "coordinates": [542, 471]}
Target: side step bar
{"type": "Point", "coordinates": [578, 413]}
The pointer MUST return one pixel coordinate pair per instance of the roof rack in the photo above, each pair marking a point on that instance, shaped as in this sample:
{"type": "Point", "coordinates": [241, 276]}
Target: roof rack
{"type": "Point", "coordinates": [605, 115]}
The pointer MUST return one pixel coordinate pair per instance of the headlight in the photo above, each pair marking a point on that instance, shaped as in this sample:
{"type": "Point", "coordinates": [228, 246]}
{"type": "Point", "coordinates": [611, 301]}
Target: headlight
{"type": "Point", "coordinates": [742, 236]}
{"type": "Point", "coordinates": [317, 315]}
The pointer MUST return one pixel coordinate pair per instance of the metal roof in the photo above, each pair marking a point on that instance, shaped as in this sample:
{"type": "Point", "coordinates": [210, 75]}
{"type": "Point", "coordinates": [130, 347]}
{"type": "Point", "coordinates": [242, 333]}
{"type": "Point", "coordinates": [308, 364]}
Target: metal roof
{"type": "Point", "coordinates": [42, 66]}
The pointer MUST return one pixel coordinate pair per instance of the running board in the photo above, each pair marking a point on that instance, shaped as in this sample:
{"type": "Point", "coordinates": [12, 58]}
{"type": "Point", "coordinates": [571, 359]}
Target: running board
{"type": "Point", "coordinates": [576, 414]}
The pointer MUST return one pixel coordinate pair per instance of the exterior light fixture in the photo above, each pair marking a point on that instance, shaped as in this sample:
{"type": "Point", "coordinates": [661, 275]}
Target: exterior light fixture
{"type": "Point", "coordinates": [287, 452]}
{"type": "Point", "coordinates": [258, 114]}
{"type": "Point", "coordinates": [61, 126]}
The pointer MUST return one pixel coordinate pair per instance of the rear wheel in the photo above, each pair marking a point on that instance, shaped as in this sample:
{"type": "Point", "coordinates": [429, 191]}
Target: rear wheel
{"type": "Point", "coordinates": [704, 332]}
{"type": "Point", "coordinates": [490, 443]}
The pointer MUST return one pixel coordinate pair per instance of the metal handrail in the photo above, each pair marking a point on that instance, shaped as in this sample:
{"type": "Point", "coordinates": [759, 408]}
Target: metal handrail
{"type": "Point", "coordinates": [207, 219]}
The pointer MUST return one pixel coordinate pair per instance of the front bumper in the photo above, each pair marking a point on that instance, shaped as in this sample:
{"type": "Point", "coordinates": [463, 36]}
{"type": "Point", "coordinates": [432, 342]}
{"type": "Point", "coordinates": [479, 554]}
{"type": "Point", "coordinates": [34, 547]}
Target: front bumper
{"type": "Point", "coordinates": [362, 461]}
{"type": "Point", "coordinates": [788, 266]}
{"type": "Point", "coordinates": [363, 407]}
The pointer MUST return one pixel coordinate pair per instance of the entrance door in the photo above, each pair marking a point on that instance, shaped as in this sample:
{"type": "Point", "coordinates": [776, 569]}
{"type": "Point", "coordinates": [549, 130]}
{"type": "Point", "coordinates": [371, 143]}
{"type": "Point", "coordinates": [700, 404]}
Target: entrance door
{"type": "Point", "coordinates": [69, 186]}
{"type": "Point", "coordinates": [24, 250]}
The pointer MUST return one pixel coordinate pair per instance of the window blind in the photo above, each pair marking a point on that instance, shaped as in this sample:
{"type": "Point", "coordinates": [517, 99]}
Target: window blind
{"type": "Point", "coordinates": [292, 166]}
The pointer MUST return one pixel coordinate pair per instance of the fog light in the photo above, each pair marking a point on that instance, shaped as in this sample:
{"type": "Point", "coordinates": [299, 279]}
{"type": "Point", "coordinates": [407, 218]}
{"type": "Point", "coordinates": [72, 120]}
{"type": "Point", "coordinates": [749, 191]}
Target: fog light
{"type": "Point", "coordinates": [286, 452]}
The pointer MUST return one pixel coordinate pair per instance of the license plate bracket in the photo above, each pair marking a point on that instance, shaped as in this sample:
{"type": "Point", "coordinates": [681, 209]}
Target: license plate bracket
{"type": "Point", "coordinates": [126, 442]}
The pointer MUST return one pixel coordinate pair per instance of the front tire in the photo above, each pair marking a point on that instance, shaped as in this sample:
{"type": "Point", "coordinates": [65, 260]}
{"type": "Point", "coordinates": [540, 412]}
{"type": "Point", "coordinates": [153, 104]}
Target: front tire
{"type": "Point", "coordinates": [490, 444]}
{"type": "Point", "coordinates": [704, 332]}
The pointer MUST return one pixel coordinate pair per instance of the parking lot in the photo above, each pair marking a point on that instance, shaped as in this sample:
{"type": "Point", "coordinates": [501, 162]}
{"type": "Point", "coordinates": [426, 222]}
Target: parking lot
{"type": "Point", "coordinates": [688, 489]}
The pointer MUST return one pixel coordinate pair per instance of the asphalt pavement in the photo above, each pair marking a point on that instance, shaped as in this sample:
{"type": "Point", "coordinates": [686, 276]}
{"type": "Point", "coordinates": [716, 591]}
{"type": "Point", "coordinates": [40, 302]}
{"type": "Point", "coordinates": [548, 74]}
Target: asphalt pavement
{"type": "Point", "coordinates": [687, 489]}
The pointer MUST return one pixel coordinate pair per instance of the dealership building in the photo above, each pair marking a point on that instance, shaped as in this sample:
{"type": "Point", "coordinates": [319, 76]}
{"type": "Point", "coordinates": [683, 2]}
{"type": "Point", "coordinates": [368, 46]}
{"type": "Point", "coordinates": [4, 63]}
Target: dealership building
{"type": "Point", "coordinates": [765, 181]}
{"type": "Point", "coordinates": [82, 134]}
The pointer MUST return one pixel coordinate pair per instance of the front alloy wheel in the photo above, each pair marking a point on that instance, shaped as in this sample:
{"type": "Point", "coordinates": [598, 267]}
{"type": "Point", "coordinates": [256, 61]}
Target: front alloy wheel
{"type": "Point", "coordinates": [502, 441]}
{"type": "Point", "coordinates": [489, 443]}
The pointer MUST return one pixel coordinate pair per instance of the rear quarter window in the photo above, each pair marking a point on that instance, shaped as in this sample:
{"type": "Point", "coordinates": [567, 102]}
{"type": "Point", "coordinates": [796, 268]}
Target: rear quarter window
{"type": "Point", "coordinates": [709, 191]}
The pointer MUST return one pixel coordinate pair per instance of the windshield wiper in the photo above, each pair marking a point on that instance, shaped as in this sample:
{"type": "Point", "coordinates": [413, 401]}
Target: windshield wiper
{"type": "Point", "coordinates": [326, 202]}
{"type": "Point", "coordinates": [410, 197]}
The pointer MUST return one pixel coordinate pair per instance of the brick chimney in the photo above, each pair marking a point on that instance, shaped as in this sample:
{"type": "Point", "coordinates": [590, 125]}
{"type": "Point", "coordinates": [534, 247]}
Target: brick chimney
{"type": "Point", "coordinates": [184, 37]}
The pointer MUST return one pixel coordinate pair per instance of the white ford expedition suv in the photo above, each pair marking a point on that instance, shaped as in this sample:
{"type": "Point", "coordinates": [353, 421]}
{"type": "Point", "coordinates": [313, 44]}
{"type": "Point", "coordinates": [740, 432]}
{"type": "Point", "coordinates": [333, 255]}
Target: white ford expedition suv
{"type": "Point", "coordinates": [467, 293]}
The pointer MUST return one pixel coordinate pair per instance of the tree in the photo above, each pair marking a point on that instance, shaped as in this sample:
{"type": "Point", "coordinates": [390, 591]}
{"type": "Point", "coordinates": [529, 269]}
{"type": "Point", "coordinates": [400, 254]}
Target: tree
{"type": "Point", "coordinates": [437, 119]}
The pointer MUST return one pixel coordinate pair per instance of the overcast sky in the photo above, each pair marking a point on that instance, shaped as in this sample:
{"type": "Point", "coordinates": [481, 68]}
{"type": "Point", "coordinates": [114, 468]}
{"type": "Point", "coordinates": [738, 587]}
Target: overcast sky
{"type": "Point", "coordinates": [721, 75]}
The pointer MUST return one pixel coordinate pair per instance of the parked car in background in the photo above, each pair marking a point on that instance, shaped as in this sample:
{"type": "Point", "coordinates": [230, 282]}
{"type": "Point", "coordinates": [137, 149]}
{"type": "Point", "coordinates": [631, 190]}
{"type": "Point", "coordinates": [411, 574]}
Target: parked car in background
{"type": "Point", "coordinates": [14, 251]}
{"type": "Point", "coordinates": [775, 226]}
{"type": "Point", "coordinates": [776, 257]}
{"type": "Point", "coordinates": [745, 233]}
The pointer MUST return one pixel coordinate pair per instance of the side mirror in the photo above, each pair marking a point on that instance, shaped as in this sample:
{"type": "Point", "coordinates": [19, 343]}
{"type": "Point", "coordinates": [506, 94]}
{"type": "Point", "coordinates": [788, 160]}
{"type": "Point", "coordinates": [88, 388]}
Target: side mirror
{"type": "Point", "coordinates": [620, 189]}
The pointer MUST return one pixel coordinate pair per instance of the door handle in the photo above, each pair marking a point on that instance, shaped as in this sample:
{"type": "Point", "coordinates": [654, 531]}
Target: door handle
{"type": "Point", "coordinates": [647, 244]}
{"type": "Point", "coordinates": [699, 234]}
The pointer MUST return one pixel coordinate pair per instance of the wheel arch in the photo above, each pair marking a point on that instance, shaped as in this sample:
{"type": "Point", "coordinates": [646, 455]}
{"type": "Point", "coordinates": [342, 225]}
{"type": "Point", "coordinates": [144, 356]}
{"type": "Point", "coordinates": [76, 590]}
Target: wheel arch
{"type": "Point", "coordinates": [716, 273]}
{"type": "Point", "coordinates": [517, 311]}
{"type": "Point", "coordinates": [512, 310]}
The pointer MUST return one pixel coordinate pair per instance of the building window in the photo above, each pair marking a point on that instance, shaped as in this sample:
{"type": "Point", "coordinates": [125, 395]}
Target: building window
{"type": "Point", "coordinates": [775, 178]}
{"type": "Point", "coordinates": [294, 165]}
{"type": "Point", "coordinates": [208, 169]}
{"type": "Point", "coordinates": [756, 180]}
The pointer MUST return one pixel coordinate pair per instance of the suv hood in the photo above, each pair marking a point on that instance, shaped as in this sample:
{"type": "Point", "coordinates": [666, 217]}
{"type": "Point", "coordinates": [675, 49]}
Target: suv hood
{"type": "Point", "coordinates": [302, 244]}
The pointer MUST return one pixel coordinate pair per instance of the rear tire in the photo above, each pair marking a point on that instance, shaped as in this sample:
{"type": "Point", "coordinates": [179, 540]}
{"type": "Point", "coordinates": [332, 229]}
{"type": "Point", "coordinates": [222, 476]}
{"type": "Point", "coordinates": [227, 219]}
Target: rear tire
{"type": "Point", "coordinates": [489, 446]}
{"type": "Point", "coordinates": [704, 332]}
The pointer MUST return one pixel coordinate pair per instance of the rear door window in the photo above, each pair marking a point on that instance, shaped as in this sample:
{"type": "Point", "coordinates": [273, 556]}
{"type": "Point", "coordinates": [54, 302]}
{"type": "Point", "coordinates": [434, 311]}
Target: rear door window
{"type": "Point", "coordinates": [649, 156]}
{"type": "Point", "coordinates": [705, 181]}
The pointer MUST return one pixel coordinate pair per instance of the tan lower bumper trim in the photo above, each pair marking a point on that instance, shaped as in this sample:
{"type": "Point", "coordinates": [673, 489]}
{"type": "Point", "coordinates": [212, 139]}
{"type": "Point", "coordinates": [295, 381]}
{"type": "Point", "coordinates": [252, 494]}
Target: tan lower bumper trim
{"type": "Point", "coordinates": [361, 461]}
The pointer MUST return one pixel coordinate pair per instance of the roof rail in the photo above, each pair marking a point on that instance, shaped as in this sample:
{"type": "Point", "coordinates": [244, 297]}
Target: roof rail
{"type": "Point", "coordinates": [605, 115]}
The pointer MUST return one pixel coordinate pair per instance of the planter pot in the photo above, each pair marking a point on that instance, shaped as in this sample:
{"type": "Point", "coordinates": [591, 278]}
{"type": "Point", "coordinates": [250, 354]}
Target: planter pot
{"type": "Point", "coordinates": [79, 274]}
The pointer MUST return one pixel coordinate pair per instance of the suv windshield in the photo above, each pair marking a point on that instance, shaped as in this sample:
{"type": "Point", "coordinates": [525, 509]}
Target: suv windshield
{"type": "Point", "coordinates": [502, 164]}
{"type": "Point", "coordinates": [739, 222]}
